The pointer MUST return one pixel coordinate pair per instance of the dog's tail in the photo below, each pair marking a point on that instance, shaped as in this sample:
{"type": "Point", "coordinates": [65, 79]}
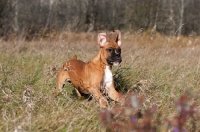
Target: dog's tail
{"type": "Point", "coordinates": [74, 57]}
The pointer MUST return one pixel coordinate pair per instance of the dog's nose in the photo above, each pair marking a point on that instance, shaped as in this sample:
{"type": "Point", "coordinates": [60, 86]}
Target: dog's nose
{"type": "Point", "coordinates": [117, 55]}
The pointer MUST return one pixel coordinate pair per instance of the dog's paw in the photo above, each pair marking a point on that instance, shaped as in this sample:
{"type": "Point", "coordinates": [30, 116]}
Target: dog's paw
{"type": "Point", "coordinates": [103, 102]}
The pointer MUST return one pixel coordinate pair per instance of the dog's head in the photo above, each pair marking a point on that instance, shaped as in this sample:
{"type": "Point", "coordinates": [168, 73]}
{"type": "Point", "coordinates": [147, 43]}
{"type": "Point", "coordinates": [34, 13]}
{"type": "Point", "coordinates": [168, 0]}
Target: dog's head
{"type": "Point", "coordinates": [111, 48]}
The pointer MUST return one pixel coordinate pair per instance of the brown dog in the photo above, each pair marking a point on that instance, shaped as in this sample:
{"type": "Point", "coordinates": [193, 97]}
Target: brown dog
{"type": "Point", "coordinates": [95, 75]}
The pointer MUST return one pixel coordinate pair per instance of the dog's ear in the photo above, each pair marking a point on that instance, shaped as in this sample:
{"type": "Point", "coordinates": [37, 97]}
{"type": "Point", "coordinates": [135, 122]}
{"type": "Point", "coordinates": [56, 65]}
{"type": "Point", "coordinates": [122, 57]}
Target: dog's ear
{"type": "Point", "coordinates": [118, 38]}
{"type": "Point", "coordinates": [102, 39]}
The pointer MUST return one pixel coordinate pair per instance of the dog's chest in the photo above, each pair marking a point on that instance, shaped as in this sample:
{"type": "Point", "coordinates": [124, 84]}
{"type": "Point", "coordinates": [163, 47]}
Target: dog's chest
{"type": "Point", "coordinates": [107, 80]}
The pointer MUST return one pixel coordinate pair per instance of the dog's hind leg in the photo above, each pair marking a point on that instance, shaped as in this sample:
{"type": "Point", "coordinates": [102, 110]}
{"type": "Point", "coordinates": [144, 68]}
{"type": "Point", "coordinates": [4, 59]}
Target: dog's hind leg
{"type": "Point", "coordinates": [63, 76]}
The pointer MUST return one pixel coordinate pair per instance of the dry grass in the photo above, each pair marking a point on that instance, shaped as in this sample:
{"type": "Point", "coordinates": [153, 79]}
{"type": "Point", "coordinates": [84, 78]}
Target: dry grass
{"type": "Point", "coordinates": [169, 65]}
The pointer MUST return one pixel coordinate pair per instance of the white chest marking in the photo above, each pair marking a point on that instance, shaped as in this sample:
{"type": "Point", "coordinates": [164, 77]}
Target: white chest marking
{"type": "Point", "coordinates": [108, 78]}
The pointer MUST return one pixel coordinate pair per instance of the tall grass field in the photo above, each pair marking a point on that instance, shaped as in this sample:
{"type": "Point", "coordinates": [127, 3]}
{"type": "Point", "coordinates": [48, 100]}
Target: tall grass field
{"type": "Point", "coordinates": [167, 66]}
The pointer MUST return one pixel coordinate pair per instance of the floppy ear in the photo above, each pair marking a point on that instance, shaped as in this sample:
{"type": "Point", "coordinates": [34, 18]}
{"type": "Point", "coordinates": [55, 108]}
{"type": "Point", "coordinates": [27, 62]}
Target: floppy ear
{"type": "Point", "coordinates": [118, 38]}
{"type": "Point", "coordinates": [102, 40]}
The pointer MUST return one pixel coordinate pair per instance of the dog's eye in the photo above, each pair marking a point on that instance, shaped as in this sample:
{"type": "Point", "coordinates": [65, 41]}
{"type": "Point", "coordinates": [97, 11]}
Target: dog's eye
{"type": "Point", "coordinates": [109, 49]}
{"type": "Point", "coordinates": [119, 51]}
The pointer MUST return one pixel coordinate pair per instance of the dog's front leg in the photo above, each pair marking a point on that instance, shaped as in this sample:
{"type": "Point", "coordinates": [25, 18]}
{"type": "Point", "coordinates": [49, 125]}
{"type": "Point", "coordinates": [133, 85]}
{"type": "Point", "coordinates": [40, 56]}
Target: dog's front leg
{"type": "Point", "coordinates": [96, 93]}
{"type": "Point", "coordinates": [113, 94]}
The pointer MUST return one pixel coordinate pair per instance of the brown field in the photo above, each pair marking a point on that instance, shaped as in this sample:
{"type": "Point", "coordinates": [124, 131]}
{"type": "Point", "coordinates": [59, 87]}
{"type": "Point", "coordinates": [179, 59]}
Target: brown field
{"type": "Point", "coordinates": [169, 65]}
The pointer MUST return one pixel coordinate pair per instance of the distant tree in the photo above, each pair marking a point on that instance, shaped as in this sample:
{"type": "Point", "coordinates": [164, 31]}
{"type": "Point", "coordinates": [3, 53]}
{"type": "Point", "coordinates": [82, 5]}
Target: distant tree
{"type": "Point", "coordinates": [38, 17]}
{"type": "Point", "coordinates": [5, 25]}
{"type": "Point", "coordinates": [181, 10]}
{"type": "Point", "coordinates": [192, 17]}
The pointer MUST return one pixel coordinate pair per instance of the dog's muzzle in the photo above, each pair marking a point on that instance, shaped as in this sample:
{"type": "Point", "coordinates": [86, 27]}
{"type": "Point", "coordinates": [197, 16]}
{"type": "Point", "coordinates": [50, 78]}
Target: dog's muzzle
{"type": "Point", "coordinates": [114, 61]}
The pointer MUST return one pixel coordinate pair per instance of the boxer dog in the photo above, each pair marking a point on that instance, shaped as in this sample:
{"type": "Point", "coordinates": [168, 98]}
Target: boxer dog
{"type": "Point", "coordinates": [96, 75]}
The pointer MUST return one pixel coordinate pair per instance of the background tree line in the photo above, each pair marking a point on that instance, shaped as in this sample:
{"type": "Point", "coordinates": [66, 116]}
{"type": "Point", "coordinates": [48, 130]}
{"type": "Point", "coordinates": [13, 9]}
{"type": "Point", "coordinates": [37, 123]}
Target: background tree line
{"type": "Point", "coordinates": [37, 17]}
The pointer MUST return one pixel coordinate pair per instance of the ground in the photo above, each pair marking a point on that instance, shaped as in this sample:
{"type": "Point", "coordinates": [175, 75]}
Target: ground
{"type": "Point", "coordinates": [169, 66]}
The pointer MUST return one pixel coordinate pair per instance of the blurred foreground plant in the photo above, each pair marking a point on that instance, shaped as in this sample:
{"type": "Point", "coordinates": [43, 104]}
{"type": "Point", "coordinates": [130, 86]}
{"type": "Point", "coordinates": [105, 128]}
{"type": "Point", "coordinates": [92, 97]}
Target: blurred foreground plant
{"type": "Point", "coordinates": [132, 116]}
{"type": "Point", "coordinates": [186, 113]}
